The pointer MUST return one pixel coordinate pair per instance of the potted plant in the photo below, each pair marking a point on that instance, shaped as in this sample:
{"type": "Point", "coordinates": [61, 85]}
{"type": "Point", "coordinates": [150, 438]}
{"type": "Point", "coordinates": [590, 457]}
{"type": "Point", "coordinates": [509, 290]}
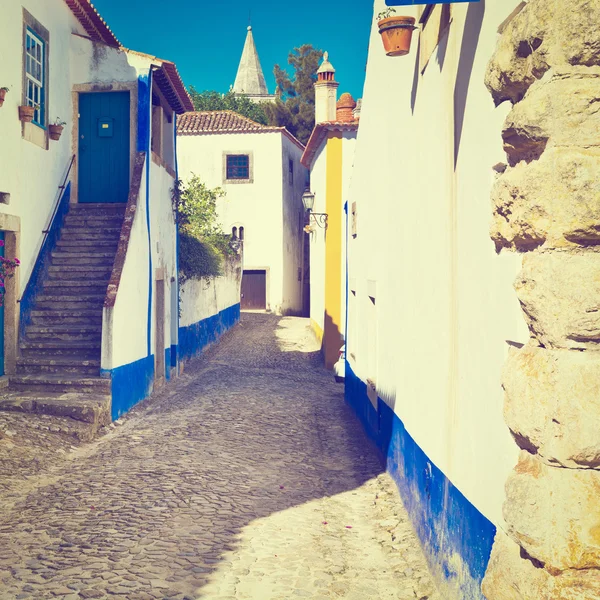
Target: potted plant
{"type": "Point", "coordinates": [3, 92]}
{"type": "Point", "coordinates": [26, 112]}
{"type": "Point", "coordinates": [396, 32]}
{"type": "Point", "coordinates": [56, 129]}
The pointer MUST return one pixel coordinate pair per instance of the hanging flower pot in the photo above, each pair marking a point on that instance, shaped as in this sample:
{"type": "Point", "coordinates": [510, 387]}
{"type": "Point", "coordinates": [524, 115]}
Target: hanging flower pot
{"type": "Point", "coordinates": [55, 129]}
{"type": "Point", "coordinates": [396, 33]}
{"type": "Point", "coordinates": [26, 113]}
{"type": "Point", "coordinates": [3, 92]}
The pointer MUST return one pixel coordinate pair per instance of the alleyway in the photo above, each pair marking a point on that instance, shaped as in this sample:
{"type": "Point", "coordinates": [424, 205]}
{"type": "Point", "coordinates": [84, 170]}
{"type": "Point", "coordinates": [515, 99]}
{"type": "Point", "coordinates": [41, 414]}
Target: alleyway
{"type": "Point", "coordinates": [247, 478]}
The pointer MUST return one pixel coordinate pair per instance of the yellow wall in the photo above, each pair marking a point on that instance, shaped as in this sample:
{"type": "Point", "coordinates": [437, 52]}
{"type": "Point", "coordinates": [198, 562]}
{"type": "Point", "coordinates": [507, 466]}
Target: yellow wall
{"type": "Point", "coordinates": [333, 340]}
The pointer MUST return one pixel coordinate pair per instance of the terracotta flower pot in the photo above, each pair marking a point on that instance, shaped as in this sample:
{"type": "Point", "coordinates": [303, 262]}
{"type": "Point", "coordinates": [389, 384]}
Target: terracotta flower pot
{"type": "Point", "coordinates": [396, 33]}
{"type": "Point", "coordinates": [2, 96]}
{"type": "Point", "coordinates": [55, 131]}
{"type": "Point", "coordinates": [26, 113]}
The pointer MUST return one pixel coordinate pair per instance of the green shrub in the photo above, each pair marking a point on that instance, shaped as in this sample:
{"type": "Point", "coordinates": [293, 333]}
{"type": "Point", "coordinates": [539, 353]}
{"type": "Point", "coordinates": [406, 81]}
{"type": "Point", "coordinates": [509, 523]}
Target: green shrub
{"type": "Point", "coordinates": [198, 258]}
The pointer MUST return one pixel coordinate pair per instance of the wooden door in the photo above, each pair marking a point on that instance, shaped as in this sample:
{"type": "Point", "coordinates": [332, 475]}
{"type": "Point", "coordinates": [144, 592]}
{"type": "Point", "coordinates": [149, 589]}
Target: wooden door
{"type": "Point", "coordinates": [103, 174]}
{"type": "Point", "coordinates": [254, 290]}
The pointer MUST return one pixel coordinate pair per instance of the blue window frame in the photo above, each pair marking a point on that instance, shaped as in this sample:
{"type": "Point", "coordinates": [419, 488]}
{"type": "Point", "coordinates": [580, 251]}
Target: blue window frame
{"type": "Point", "coordinates": [35, 75]}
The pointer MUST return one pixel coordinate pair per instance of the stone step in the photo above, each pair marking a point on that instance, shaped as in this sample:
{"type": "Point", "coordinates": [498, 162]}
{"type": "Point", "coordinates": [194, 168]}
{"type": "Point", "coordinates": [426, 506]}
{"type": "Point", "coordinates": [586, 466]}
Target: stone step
{"type": "Point", "coordinates": [66, 317]}
{"type": "Point", "coordinates": [36, 336]}
{"type": "Point", "coordinates": [62, 384]}
{"type": "Point", "coordinates": [98, 207]}
{"type": "Point", "coordinates": [54, 364]}
{"type": "Point", "coordinates": [91, 259]}
{"type": "Point", "coordinates": [75, 245]}
{"type": "Point", "coordinates": [74, 288]}
{"type": "Point", "coordinates": [67, 350]}
{"type": "Point", "coordinates": [100, 274]}
{"type": "Point", "coordinates": [89, 409]}
{"type": "Point", "coordinates": [90, 222]}
{"type": "Point", "coordinates": [112, 230]}
{"type": "Point", "coordinates": [63, 303]}
{"type": "Point", "coordinates": [59, 326]}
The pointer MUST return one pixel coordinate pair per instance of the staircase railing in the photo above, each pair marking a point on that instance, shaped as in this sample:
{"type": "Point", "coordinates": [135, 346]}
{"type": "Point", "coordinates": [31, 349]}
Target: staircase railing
{"type": "Point", "coordinates": [130, 210]}
{"type": "Point", "coordinates": [39, 268]}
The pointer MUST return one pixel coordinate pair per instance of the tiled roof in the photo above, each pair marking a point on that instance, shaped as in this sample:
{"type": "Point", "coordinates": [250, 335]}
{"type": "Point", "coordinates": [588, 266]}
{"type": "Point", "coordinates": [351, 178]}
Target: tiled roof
{"type": "Point", "coordinates": [218, 121]}
{"type": "Point", "coordinates": [94, 25]}
{"type": "Point", "coordinates": [319, 133]}
{"type": "Point", "coordinates": [226, 121]}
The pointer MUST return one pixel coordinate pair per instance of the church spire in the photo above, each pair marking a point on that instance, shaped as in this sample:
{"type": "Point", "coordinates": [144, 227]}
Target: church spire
{"type": "Point", "coordinates": [250, 80]}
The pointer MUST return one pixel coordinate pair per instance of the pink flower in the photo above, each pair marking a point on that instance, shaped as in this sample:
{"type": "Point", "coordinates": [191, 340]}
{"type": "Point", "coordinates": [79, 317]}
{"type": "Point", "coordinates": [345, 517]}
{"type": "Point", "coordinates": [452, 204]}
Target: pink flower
{"type": "Point", "coordinates": [1, 243]}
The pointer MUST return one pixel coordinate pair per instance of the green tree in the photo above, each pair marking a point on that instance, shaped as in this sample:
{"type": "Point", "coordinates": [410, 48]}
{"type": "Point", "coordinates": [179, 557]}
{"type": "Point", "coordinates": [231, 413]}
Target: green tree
{"type": "Point", "coordinates": [295, 106]}
{"type": "Point", "coordinates": [203, 244]}
{"type": "Point", "coordinates": [211, 100]}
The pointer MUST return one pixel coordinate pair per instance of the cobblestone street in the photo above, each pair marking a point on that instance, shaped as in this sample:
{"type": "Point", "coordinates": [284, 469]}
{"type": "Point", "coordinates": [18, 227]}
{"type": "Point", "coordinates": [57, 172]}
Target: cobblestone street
{"type": "Point", "coordinates": [246, 478]}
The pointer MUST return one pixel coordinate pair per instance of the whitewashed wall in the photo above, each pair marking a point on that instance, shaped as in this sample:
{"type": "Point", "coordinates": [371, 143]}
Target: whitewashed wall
{"type": "Point", "coordinates": [256, 206]}
{"type": "Point", "coordinates": [293, 227]}
{"type": "Point", "coordinates": [29, 173]}
{"type": "Point", "coordinates": [445, 308]}
{"type": "Point", "coordinates": [204, 298]}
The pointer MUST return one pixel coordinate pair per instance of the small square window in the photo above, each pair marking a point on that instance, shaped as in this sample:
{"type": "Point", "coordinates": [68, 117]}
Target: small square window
{"type": "Point", "coordinates": [238, 166]}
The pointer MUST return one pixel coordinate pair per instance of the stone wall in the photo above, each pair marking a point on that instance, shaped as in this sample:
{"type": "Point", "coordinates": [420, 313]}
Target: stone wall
{"type": "Point", "coordinates": [546, 204]}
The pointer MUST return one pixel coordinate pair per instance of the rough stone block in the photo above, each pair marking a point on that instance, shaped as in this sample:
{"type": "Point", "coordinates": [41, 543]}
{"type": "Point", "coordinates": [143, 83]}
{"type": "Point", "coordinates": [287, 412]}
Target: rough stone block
{"type": "Point", "coordinates": [563, 109]}
{"type": "Point", "coordinates": [554, 201]}
{"type": "Point", "coordinates": [560, 295]}
{"type": "Point", "coordinates": [546, 33]}
{"type": "Point", "coordinates": [511, 575]}
{"type": "Point", "coordinates": [552, 404]}
{"type": "Point", "coordinates": [554, 514]}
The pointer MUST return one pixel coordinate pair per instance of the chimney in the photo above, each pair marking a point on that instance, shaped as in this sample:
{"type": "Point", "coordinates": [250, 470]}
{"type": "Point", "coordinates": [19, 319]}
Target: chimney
{"type": "Point", "coordinates": [356, 111]}
{"type": "Point", "coordinates": [345, 109]}
{"type": "Point", "coordinates": [325, 92]}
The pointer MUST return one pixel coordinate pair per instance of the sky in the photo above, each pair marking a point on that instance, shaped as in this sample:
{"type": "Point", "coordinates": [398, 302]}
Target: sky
{"type": "Point", "coordinates": [205, 37]}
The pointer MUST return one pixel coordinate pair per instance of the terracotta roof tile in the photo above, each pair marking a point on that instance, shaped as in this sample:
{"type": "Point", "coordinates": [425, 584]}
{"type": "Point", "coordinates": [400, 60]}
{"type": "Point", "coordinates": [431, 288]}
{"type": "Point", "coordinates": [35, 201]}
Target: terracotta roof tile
{"type": "Point", "coordinates": [212, 121]}
{"type": "Point", "coordinates": [94, 25]}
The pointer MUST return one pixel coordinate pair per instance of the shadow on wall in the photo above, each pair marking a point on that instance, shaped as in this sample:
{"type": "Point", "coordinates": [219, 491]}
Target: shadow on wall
{"type": "Point", "coordinates": [472, 31]}
{"type": "Point", "coordinates": [333, 340]}
{"type": "Point", "coordinates": [457, 539]}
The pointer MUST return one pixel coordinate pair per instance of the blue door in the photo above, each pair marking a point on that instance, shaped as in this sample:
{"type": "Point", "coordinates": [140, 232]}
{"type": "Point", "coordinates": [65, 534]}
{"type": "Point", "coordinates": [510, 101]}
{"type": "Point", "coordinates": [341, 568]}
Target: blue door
{"type": "Point", "coordinates": [103, 147]}
{"type": "Point", "coordinates": [2, 315]}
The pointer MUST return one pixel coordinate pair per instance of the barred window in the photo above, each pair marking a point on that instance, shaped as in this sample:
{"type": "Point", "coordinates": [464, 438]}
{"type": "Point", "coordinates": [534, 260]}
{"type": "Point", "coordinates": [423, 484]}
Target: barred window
{"type": "Point", "coordinates": [238, 166]}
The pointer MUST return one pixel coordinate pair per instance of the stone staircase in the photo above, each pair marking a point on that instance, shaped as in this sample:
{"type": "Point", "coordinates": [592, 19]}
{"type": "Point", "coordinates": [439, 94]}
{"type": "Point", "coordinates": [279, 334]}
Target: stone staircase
{"type": "Point", "coordinates": [58, 371]}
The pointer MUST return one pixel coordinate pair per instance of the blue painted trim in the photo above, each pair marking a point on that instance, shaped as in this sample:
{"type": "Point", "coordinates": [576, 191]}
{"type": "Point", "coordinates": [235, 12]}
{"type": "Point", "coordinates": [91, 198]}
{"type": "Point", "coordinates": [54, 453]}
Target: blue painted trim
{"type": "Point", "coordinates": [174, 354]}
{"type": "Point", "coordinates": [39, 272]}
{"type": "Point", "coordinates": [193, 339]}
{"type": "Point", "coordinates": [448, 525]}
{"type": "Point", "coordinates": [421, 2]}
{"type": "Point", "coordinates": [168, 363]}
{"type": "Point", "coordinates": [130, 384]}
{"type": "Point", "coordinates": [144, 119]}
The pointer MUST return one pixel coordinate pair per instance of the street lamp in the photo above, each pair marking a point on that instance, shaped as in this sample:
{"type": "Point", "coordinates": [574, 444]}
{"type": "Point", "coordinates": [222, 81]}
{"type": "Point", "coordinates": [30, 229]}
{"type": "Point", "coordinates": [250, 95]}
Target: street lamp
{"type": "Point", "coordinates": [308, 200]}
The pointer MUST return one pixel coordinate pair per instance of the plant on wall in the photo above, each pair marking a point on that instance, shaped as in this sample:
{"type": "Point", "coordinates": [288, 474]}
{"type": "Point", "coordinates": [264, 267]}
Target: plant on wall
{"type": "Point", "coordinates": [3, 92]}
{"type": "Point", "coordinates": [202, 243]}
{"type": "Point", "coordinates": [7, 270]}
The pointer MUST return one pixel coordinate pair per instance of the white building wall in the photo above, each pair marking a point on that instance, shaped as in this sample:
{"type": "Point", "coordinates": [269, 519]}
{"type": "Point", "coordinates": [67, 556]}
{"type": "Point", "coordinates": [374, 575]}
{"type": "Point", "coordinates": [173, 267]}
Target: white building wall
{"type": "Point", "coordinates": [256, 206]}
{"type": "Point", "coordinates": [206, 297]}
{"type": "Point", "coordinates": [444, 306]}
{"type": "Point", "coordinates": [29, 173]}
{"type": "Point", "coordinates": [318, 183]}
{"type": "Point", "coordinates": [293, 227]}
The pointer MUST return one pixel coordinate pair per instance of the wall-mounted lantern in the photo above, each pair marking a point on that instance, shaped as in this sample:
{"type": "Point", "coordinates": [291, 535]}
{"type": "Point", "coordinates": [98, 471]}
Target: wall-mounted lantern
{"type": "Point", "coordinates": [308, 200]}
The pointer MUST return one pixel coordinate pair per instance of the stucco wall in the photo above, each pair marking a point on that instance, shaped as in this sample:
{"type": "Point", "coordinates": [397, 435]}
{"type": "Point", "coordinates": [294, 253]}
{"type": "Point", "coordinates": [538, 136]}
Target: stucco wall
{"type": "Point", "coordinates": [29, 173]}
{"type": "Point", "coordinates": [436, 336]}
{"type": "Point", "coordinates": [209, 307]}
{"type": "Point", "coordinates": [293, 227]}
{"type": "Point", "coordinates": [256, 206]}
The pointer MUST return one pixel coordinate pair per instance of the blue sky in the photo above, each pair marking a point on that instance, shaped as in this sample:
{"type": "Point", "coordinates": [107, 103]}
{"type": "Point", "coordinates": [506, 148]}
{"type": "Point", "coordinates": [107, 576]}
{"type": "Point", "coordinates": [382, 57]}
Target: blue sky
{"type": "Point", "coordinates": [205, 38]}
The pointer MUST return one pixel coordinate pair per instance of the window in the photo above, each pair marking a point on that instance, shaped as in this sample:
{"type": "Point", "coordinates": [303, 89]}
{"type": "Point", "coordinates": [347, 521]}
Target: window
{"type": "Point", "coordinates": [238, 166]}
{"type": "Point", "coordinates": [241, 234]}
{"type": "Point", "coordinates": [35, 75]}
{"type": "Point", "coordinates": [291, 172]}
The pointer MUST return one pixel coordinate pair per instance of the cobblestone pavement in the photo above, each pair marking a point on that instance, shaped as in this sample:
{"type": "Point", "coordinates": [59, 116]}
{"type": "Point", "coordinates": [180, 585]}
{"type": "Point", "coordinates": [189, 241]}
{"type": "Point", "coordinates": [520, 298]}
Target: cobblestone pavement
{"type": "Point", "coordinates": [246, 478]}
